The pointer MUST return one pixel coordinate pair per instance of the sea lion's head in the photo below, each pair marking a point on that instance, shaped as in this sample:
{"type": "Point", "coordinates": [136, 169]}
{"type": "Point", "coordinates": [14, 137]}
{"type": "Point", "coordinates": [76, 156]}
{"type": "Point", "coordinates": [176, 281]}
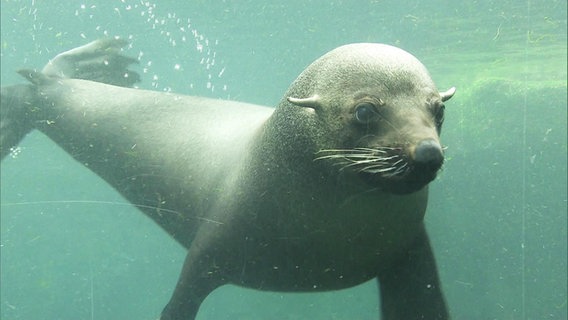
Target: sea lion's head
{"type": "Point", "coordinates": [380, 113]}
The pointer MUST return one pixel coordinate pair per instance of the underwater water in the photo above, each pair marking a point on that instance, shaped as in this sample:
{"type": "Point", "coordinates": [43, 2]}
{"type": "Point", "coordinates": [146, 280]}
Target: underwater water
{"type": "Point", "coordinates": [72, 248]}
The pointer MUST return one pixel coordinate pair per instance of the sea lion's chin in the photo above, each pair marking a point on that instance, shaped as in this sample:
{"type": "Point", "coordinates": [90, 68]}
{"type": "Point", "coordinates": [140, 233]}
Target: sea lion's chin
{"type": "Point", "coordinates": [397, 185]}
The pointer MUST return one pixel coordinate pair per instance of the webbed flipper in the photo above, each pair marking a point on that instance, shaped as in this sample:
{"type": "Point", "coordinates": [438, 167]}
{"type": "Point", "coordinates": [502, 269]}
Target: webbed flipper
{"type": "Point", "coordinates": [100, 61]}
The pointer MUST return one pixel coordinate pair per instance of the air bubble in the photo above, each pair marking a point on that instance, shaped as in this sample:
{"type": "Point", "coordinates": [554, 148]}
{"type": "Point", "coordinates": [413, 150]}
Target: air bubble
{"type": "Point", "coordinates": [170, 29]}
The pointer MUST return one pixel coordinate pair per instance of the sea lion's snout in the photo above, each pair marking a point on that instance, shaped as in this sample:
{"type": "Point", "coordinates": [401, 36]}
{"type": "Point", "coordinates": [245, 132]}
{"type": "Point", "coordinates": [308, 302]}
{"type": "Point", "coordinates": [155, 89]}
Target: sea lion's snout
{"type": "Point", "coordinates": [428, 156]}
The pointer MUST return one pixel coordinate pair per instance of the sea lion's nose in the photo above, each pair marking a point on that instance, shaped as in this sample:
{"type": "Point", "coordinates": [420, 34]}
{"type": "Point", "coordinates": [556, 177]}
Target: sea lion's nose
{"type": "Point", "coordinates": [428, 155]}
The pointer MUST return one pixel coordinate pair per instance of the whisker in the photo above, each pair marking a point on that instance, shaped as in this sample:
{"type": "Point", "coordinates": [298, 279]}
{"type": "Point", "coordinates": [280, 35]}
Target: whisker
{"type": "Point", "coordinates": [335, 156]}
{"type": "Point", "coordinates": [385, 161]}
{"type": "Point", "coordinates": [378, 169]}
{"type": "Point", "coordinates": [367, 150]}
{"type": "Point", "coordinates": [401, 170]}
{"type": "Point", "coordinates": [399, 161]}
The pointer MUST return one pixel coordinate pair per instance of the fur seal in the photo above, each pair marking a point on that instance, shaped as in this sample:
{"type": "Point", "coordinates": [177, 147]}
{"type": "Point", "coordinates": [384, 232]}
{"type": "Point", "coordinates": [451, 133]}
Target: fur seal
{"type": "Point", "coordinates": [325, 191]}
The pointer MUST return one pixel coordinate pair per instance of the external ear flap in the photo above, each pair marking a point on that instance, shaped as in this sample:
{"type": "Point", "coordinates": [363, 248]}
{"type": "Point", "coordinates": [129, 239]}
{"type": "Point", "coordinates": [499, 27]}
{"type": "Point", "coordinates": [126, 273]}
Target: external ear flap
{"type": "Point", "coordinates": [448, 94]}
{"type": "Point", "coordinates": [312, 102]}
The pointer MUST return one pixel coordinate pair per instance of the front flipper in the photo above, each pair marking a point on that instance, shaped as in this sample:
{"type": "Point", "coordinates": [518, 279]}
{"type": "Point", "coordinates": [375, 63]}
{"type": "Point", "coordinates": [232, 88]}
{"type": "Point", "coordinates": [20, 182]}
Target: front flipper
{"type": "Point", "coordinates": [199, 277]}
{"type": "Point", "coordinates": [100, 61]}
{"type": "Point", "coordinates": [410, 289]}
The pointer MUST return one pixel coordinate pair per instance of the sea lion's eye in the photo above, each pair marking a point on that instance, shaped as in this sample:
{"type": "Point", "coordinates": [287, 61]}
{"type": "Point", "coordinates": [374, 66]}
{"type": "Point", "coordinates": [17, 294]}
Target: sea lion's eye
{"type": "Point", "coordinates": [365, 112]}
{"type": "Point", "coordinates": [440, 116]}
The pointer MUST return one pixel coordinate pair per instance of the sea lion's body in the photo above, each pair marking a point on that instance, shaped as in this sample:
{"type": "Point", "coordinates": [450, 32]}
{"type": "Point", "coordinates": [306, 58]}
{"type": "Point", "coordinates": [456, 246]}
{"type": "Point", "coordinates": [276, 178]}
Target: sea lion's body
{"type": "Point", "coordinates": [156, 149]}
{"type": "Point", "coordinates": [242, 187]}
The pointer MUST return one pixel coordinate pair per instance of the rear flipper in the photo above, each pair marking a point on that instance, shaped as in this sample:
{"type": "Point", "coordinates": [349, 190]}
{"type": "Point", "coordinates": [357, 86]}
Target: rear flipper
{"type": "Point", "coordinates": [15, 103]}
{"type": "Point", "coordinates": [99, 61]}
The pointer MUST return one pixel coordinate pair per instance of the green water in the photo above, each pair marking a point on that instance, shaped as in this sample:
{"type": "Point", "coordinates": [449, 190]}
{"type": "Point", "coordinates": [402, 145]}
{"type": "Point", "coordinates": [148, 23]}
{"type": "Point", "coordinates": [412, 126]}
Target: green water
{"type": "Point", "coordinates": [497, 215]}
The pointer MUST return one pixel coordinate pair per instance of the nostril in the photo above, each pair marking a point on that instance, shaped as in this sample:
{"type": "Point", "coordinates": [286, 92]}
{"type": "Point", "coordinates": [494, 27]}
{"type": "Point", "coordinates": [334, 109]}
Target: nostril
{"type": "Point", "coordinates": [428, 153]}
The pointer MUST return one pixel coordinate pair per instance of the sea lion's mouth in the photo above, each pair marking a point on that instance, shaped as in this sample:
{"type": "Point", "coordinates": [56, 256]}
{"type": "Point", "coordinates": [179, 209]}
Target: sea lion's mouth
{"type": "Point", "coordinates": [389, 169]}
{"type": "Point", "coordinates": [410, 183]}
